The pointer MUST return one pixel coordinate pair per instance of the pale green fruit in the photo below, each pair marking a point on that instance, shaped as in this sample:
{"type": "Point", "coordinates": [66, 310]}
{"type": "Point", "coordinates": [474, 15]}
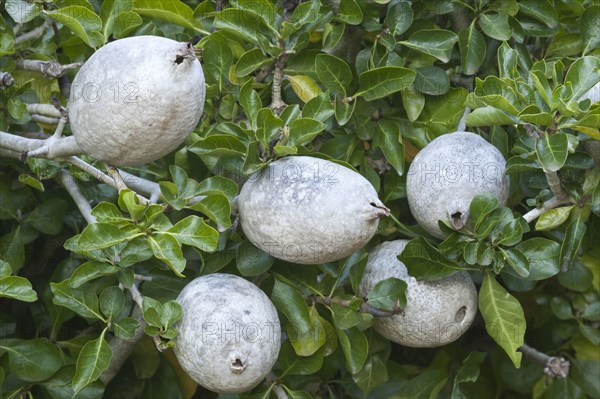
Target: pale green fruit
{"type": "Point", "coordinates": [136, 99]}
{"type": "Point", "coordinates": [228, 338]}
{"type": "Point", "coordinates": [436, 313]}
{"type": "Point", "coordinates": [308, 210]}
{"type": "Point", "coordinates": [448, 173]}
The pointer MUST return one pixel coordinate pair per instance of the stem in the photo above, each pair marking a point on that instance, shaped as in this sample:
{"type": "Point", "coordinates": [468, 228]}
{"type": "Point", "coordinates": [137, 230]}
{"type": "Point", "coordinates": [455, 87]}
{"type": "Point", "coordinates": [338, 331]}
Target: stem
{"type": "Point", "coordinates": [462, 124]}
{"type": "Point", "coordinates": [44, 119]}
{"type": "Point", "coordinates": [276, 100]}
{"type": "Point", "coordinates": [550, 204]}
{"type": "Point", "coordinates": [49, 148]}
{"type": "Point", "coordinates": [75, 192]}
{"type": "Point", "coordinates": [32, 34]}
{"type": "Point", "coordinates": [280, 392]}
{"type": "Point", "coordinates": [50, 69]}
{"type": "Point", "coordinates": [555, 185]}
{"type": "Point", "coordinates": [43, 109]}
{"type": "Point", "coordinates": [6, 80]}
{"type": "Point", "coordinates": [365, 307]}
{"type": "Point", "coordinates": [555, 367]}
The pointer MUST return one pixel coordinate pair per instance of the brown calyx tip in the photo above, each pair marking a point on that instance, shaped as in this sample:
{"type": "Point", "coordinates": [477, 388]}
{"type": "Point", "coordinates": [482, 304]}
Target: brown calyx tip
{"type": "Point", "coordinates": [458, 219]}
{"type": "Point", "coordinates": [380, 209]}
{"type": "Point", "coordinates": [237, 366]}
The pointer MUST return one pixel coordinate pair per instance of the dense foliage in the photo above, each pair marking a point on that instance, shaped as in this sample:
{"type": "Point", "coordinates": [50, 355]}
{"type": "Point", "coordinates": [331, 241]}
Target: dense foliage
{"type": "Point", "coordinates": [367, 83]}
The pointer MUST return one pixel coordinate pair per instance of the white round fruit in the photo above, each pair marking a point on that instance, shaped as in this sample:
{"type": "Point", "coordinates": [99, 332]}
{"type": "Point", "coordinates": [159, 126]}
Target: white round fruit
{"type": "Point", "coordinates": [228, 338]}
{"type": "Point", "coordinates": [308, 210]}
{"type": "Point", "coordinates": [136, 99]}
{"type": "Point", "coordinates": [448, 173]}
{"type": "Point", "coordinates": [436, 313]}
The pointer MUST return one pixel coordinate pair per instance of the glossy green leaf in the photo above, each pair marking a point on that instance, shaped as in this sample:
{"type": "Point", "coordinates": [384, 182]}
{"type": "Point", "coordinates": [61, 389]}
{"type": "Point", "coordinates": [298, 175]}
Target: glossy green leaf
{"type": "Point", "coordinates": [18, 288]}
{"type": "Point", "coordinates": [292, 364]}
{"type": "Point", "coordinates": [245, 23]}
{"type": "Point", "coordinates": [125, 328]}
{"type": "Point", "coordinates": [590, 29]}
{"type": "Point", "coordinates": [542, 255]}
{"type": "Point", "coordinates": [22, 11]}
{"type": "Point", "coordinates": [372, 374]}
{"type": "Point", "coordinates": [290, 302]}
{"type": "Point", "coordinates": [166, 248]}
{"type": "Point", "coordinates": [573, 239]}
{"type": "Point", "coordinates": [307, 342]}
{"type": "Point", "coordinates": [194, 232]}
{"type": "Point", "coordinates": [171, 312]}
{"type": "Point", "coordinates": [542, 10]}
{"type": "Point", "coordinates": [472, 49]}
{"type": "Point", "coordinates": [355, 346]}
{"type": "Point", "coordinates": [583, 75]}
{"type": "Point", "coordinates": [481, 206]}
{"type": "Point", "coordinates": [468, 372]}
{"type": "Point", "coordinates": [424, 262]}
{"type": "Point", "coordinates": [488, 116]}
{"type": "Point", "coordinates": [93, 359]}
{"type": "Point", "coordinates": [551, 151]}
{"type": "Point", "coordinates": [399, 18]}
{"type": "Point", "coordinates": [219, 145]}
{"type": "Point", "coordinates": [48, 217]}
{"type": "Point", "coordinates": [103, 235]}
{"type": "Point", "coordinates": [517, 261]}
{"type": "Point", "coordinates": [495, 26]}
{"type": "Point", "coordinates": [112, 301]}
{"type": "Point", "coordinates": [33, 360]}
{"type": "Point", "coordinates": [217, 208]}
{"type": "Point", "coordinates": [431, 80]}
{"type": "Point", "coordinates": [426, 385]}
{"type": "Point", "coordinates": [250, 61]}
{"type": "Point", "coordinates": [413, 103]}
{"type": "Point", "coordinates": [388, 139]}
{"type": "Point", "coordinates": [218, 58]}
{"type": "Point", "coordinates": [304, 130]}
{"type": "Point", "coordinates": [82, 21]}
{"type": "Point", "coordinates": [349, 12]}
{"type": "Point", "coordinates": [172, 11]}
{"type": "Point", "coordinates": [82, 301]}
{"type": "Point", "coordinates": [381, 82]}
{"type": "Point", "coordinates": [388, 294]}
{"type": "Point", "coordinates": [503, 316]}
{"type": "Point", "coordinates": [304, 87]}
{"type": "Point", "coordinates": [553, 218]}
{"type": "Point", "coordinates": [437, 43]}
{"type": "Point", "coordinates": [333, 73]}
{"type": "Point", "coordinates": [252, 261]}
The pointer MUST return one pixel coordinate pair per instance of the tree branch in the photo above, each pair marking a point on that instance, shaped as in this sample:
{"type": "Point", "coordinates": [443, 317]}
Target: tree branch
{"type": "Point", "coordinates": [50, 148]}
{"type": "Point", "coordinates": [73, 189]}
{"type": "Point", "coordinates": [277, 103]}
{"type": "Point", "coordinates": [43, 109]}
{"type": "Point", "coordinates": [50, 69]}
{"type": "Point", "coordinates": [32, 34]}
{"type": "Point", "coordinates": [550, 204]}
{"type": "Point", "coordinates": [6, 80]}
{"type": "Point", "coordinates": [555, 186]}
{"type": "Point", "coordinates": [365, 307]}
{"type": "Point", "coordinates": [555, 367]}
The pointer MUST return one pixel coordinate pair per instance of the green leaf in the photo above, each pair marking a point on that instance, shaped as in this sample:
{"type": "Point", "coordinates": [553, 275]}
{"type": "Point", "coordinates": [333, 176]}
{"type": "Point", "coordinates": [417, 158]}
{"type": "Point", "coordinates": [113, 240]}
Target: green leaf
{"type": "Point", "coordinates": [583, 75]}
{"type": "Point", "coordinates": [250, 61]}
{"type": "Point", "coordinates": [22, 11]}
{"type": "Point", "coordinates": [290, 302]}
{"type": "Point", "coordinates": [435, 42]}
{"type": "Point", "coordinates": [48, 217]}
{"type": "Point", "coordinates": [218, 58]}
{"type": "Point", "coordinates": [517, 261]}
{"type": "Point", "coordinates": [355, 346]}
{"type": "Point", "coordinates": [247, 24]}
{"type": "Point", "coordinates": [166, 248]}
{"type": "Point", "coordinates": [33, 360]}
{"type": "Point", "coordinates": [481, 206]}
{"type": "Point", "coordinates": [472, 49]}
{"type": "Point", "coordinates": [381, 82]}
{"type": "Point", "coordinates": [399, 18]}
{"type": "Point", "coordinates": [93, 359]}
{"type": "Point", "coordinates": [307, 342]}
{"type": "Point", "coordinates": [388, 139]}
{"type": "Point", "coordinates": [18, 288]}
{"type": "Point", "coordinates": [172, 11]}
{"type": "Point", "coordinates": [388, 293]}
{"type": "Point", "coordinates": [590, 29]}
{"type": "Point", "coordinates": [219, 145]}
{"type": "Point", "coordinates": [349, 12]}
{"type": "Point", "coordinates": [82, 301]}
{"type": "Point", "coordinates": [424, 262]}
{"type": "Point", "coordinates": [126, 327]}
{"type": "Point", "coordinates": [194, 232]}
{"type": "Point", "coordinates": [345, 317]}
{"type": "Point", "coordinates": [83, 22]}
{"type": "Point", "coordinates": [542, 255]}
{"type": "Point", "coordinates": [426, 385]}
{"type": "Point", "coordinates": [304, 130]}
{"type": "Point", "coordinates": [553, 218]}
{"type": "Point", "coordinates": [112, 301]}
{"type": "Point", "coordinates": [542, 10]}
{"type": "Point", "coordinates": [343, 110]}
{"type": "Point", "coordinates": [495, 26]}
{"type": "Point", "coordinates": [152, 310]}
{"type": "Point", "coordinates": [432, 80]}
{"type": "Point", "coordinates": [31, 182]}
{"type": "Point", "coordinates": [304, 87]}
{"type": "Point", "coordinates": [171, 312]}
{"type": "Point", "coordinates": [292, 364]}
{"type": "Point", "coordinates": [217, 208]}
{"type": "Point", "coordinates": [5, 269]}
{"type": "Point", "coordinates": [413, 102]}
{"type": "Point", "coordinates": [468, 372]}
{"type": "Point", "coordinates": [252, 261]}
{"type": "Point", "coordinates": [503, 316]}
{"type": "Point", "coordinates": [103, 235]}
{"type": "Point", "coordinates": [552, 151]}
{"type": "Point", "coordinates": [373, 373]}
{"type": "Point", "coordinates": [488, 116]}
{"type": "Point", "coordinates": [333, 73]}
{"type": "Point", "coordinates": [572, 242]}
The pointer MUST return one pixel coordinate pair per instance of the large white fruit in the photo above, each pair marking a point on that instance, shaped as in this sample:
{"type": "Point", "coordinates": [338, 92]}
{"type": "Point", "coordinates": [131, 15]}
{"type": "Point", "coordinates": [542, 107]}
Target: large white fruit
{"type": "Point", "coordinates": [448, 173]}
{"type": "Point", "coordinates": [136, 99]}
{"type": "Point", "coordinates": [308, 210]}
{"type": "Point", "coordinates": [228, 338]}
{"type": "Point", "coordinates": [436, 313]}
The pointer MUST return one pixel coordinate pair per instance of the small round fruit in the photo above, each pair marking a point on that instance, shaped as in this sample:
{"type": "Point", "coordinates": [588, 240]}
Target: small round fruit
{"type": "Point", "coordinates": [436, 313]}
{"type": "Point", "coordinates": [308, 210]}
{"type": "Point", "coordinates": [448, 173]}
{"type": "Point", "coordinates": [136, 99]}
{"type": "Point", "coordinates": [228, 337]}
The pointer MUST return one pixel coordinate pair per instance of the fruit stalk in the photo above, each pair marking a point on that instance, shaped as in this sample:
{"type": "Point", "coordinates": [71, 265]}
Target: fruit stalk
{"type": "Point", "coordinates": [50, 69]}
{"type": "Point", "coordinates": [555, 367]}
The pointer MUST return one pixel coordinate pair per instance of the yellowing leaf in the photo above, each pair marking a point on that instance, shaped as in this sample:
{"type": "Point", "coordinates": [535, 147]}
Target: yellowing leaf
{"type": "Point", "coordinates": [304, 87]}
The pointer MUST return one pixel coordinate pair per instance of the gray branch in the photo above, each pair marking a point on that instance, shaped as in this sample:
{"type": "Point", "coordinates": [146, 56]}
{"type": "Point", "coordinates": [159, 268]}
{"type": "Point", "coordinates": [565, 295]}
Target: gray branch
{"type": "Point", "coordinates": [550, 204]}
{"type": "Point", "coordinates": [50, 69]}
{"type": "Point", "coordinates": [32, 34]}
{"type": "Point", "coordinates": [75, 192]}
{"type": "Point", "coordinates": [555, 367]}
